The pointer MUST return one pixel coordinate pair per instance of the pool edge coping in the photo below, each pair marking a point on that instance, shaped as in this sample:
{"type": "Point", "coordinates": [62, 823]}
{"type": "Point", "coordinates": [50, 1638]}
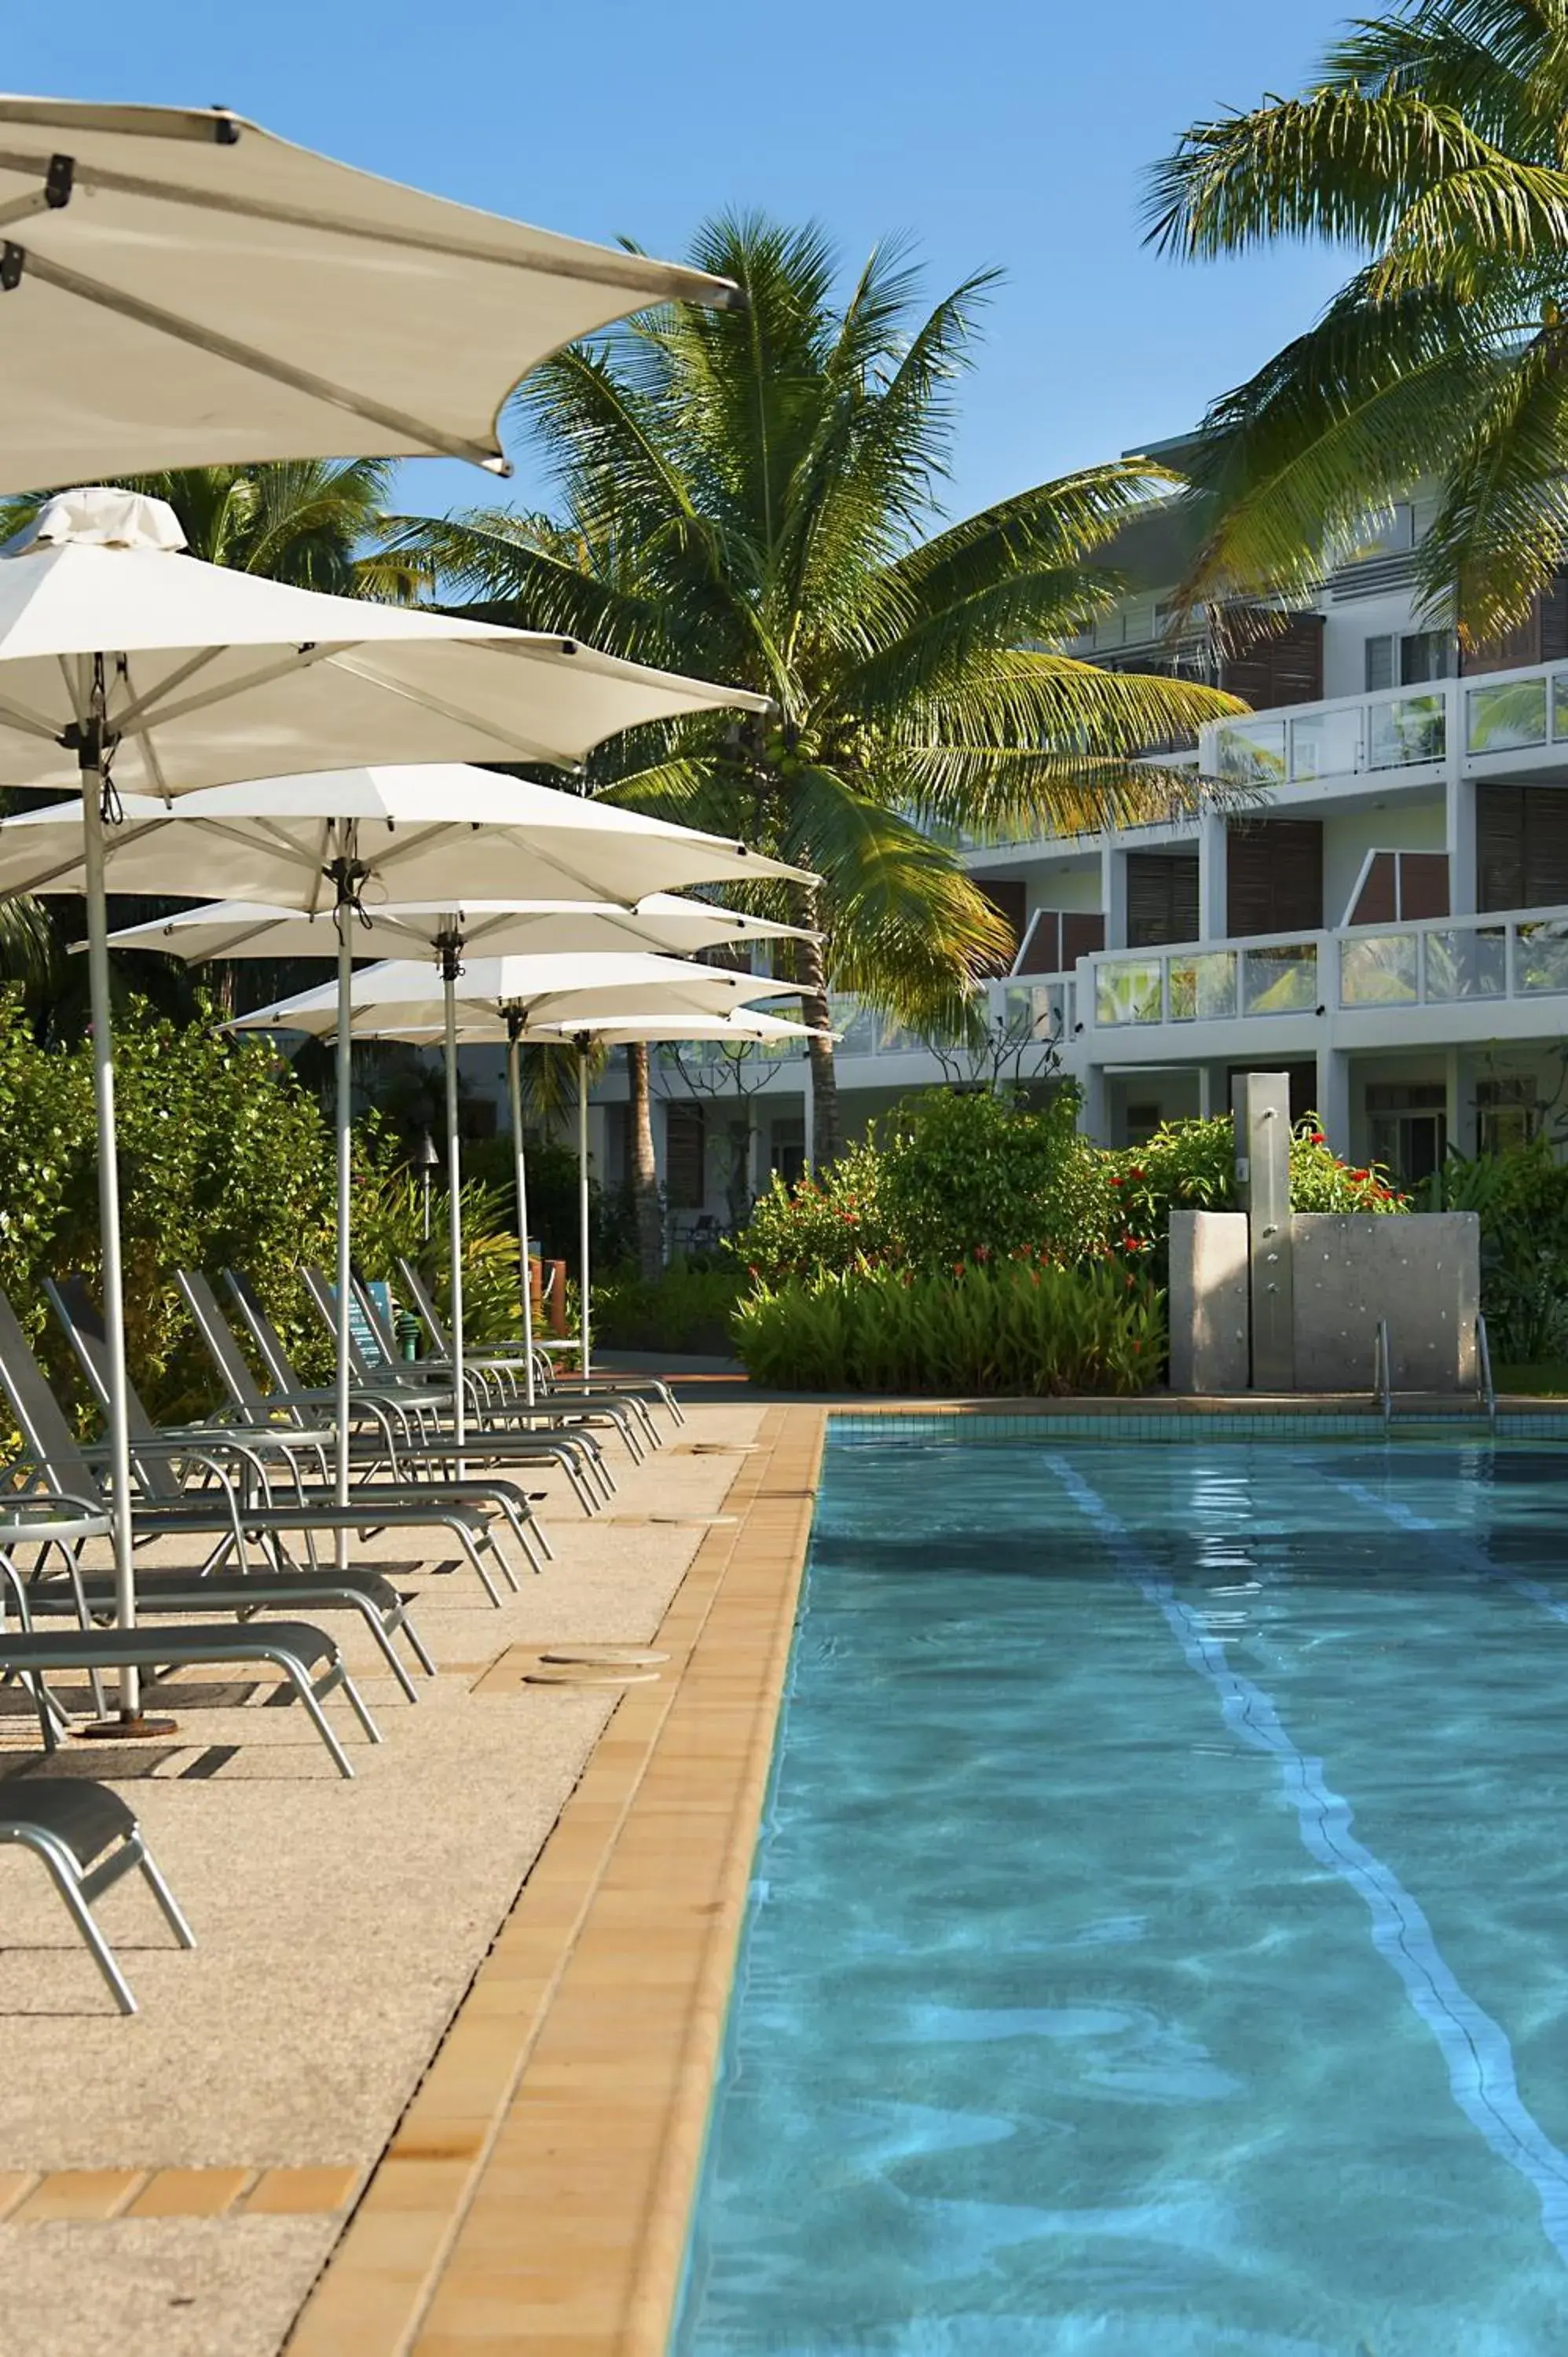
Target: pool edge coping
{"type": "Point", "coordinates": [579, 2118]}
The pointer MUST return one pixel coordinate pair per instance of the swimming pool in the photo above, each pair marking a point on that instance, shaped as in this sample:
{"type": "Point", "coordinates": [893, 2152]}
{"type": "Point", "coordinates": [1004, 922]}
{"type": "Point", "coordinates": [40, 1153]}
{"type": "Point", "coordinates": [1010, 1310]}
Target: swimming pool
{"type": "Point", "coordinates": [1159, 1942]}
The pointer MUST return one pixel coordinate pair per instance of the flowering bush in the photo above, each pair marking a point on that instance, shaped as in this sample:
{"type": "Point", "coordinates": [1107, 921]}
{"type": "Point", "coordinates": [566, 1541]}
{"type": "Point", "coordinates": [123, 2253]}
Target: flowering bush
{"type": "Point", "coordinates": [1191, 1165]}
{"type": "Point", "coordinates": [955, 1176]}
{"type": "Point", "coordinates": [1018, 1328]}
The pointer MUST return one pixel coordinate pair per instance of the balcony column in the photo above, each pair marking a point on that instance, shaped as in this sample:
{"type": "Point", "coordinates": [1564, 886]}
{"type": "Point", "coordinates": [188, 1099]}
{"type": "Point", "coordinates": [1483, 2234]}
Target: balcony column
{"type": "Point", "coordinates": [1113, 895]}
{"type": "Point", "coordinates": [1333, 1098]}
{"type": "Point", "coordinates": [1460, 800]}
{"type": "Point", "coordinates": [1213, 843]}
{"type": "Point", "coordinates": [1094, 1113]}
{"type": "Point", "coordinates": [1461, 1123]}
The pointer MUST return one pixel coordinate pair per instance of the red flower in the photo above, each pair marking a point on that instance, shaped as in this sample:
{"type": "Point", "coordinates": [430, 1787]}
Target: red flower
{"type": "Point", "coordinates": [1115, 1179]}
{"type": "Point", "coordinates": [1357, 1176]}
{"type": "Point", "coordinates": [1135, 1173]}
{"type": "Point", "coordinates": [1316, 1137]}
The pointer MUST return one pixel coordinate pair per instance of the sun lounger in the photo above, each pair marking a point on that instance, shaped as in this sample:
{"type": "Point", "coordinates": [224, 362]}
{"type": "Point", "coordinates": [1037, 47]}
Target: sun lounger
{"type": "Point", "coordinates": [299, 1411]}
{"type": "Point", "coordinates": [559, 1395]}
{"type": "Point", "coordinates": [227, 1514]}
{"type": "Point", "coordinates": [88, 1838]}
{"type": "Point", "coordinates": [575, 1451]}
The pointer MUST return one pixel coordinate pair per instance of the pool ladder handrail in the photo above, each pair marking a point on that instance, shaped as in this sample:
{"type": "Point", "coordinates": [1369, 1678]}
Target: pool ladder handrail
{"type": "Point", "coordinates": [1484, 1383]}
{"type": "Point", "coordinates": [1383, 1372]}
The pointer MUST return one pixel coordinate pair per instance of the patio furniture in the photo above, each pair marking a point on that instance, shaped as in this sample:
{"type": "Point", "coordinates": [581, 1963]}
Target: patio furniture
{"type": "Point", "coordinates": [165, 1509]}
{"type": "Point", "coordinates": [88, 1839]}
{"type": "Point", "coordinates": [260, 1410]}
{"type": "Point", "coordinates": [557, 1394]}
{"type": "Point", "coordinates": [414, 1412]}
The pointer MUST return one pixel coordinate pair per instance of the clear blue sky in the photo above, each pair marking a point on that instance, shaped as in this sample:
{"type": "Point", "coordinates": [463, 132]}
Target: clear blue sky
{"type": "Point", "coordinates": [1006, 132]}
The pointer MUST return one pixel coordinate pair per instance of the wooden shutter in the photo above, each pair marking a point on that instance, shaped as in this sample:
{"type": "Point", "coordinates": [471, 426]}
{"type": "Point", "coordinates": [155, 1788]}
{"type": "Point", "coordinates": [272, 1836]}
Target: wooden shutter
{"type": "Point", "coordinates": [1010, 900]}
{"type": "Point", "coordinates": [1285, 666]}
{"type": "Point", "coordinates": [1082, 936]}
{"type": "Point", "coordinates": [683, 1142]}
{"type": "Point", "coordinates": [1044, 953]}
{"type": "Point", "coordinates": [1162, 898]}
{"type": "Point", "coordinates": [1424, 885]}
{"type": "Point", "coordinates": [1521, 846]}
{"type": "Point", "coordinates": [1274, 878]}
{"type": "Point", "coordinates": [1375, 903]}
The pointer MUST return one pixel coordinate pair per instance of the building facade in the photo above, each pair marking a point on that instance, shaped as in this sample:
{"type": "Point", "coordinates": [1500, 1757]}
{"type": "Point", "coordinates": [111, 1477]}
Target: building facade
{"type": "Point", "coordinates": [1381, 909]}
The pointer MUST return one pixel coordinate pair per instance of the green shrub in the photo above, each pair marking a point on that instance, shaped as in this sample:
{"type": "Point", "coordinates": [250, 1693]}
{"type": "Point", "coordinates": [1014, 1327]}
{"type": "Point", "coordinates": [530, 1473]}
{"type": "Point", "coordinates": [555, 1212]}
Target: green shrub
{"type": "Point", "coordinates": [1191, 1165]}
{"type": "Point", "coordinates": [1019, 1328]}
{"type": "Point", "coordinates": [552, 1212]}
{"type": "Point", "coordinates": [952, 1175]}
{"type": "Point", "coordinates": [1523, 1202]}
{"type": "Point", "coordinates": [686, 1309]}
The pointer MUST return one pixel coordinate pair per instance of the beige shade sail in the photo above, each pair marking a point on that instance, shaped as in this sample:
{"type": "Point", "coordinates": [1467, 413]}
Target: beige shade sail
{"type": "Point", "coordinates": [179, 288]}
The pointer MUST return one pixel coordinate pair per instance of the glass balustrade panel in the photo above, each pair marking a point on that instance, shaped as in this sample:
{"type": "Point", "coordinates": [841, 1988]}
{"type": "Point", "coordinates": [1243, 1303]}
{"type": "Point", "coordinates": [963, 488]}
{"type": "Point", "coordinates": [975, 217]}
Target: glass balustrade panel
{"type": "Point", "coordinates": [1465, 962]}
{"type": "Point", "coordinates": [1279, 978]}
{"type": "Point", "coordinates": [1507, 719]}
{"type": "Point", "coordinates": [1540, 959]}
{"type": "Point", "coordinates": [1203, 987]}
{"type": "Point", "coordinates": [1327, 744]}
{"type": "Point", "coordinates": [1252, 753]}
{"type": "Point", "coordinates": [1380, 970]}
{"type": "Point", "coordinates": [1128, 992]}
{"type": "Point", "coordinates": [1405, 729]}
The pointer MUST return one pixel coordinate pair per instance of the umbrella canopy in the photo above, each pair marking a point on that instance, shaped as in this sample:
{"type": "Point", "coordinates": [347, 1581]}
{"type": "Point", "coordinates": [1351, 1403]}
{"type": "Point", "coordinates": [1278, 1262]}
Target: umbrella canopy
{"type": "Point", "coordinates": [119, 653]}
{"type": "Point", "coordinates": [183, 289]}
{"type": "Point", "coordinates": [418, 835]}
{"type": "Point", "coordinates": [511, 997]}
{"type": "Point", "coordinates": [562, 990]}
{"type": "Point", "coordinates": [241, 929]}
{"type": "Point", "coordinates": [190, 675]}
{"type": "Point", "coordinates": [603, 1024]}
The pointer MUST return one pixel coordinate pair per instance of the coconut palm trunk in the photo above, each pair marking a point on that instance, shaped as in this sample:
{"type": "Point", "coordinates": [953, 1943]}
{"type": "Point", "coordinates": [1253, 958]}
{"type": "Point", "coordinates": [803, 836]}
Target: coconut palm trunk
{"type": "Point", "coordinates": [824, 1080]}
{"type": "Point", "coordinates": [644, 1168]}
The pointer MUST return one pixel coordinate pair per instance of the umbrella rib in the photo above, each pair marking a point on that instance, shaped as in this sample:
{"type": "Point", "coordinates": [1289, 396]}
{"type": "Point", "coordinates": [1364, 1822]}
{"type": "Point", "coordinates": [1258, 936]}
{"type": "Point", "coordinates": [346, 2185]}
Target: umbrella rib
{"type": "Point", "coordinates": [176, 678]}
{"type": "Point", "coordinates": [445, 711]}
{"type": "Point", "coordinates": [661, 283]}
{"type": "Point", "coordinates": [259, 363]}
{"type": "Point", "coordinates": [29, 723]}
{"type": "Point", "coordinates": [301, 659]}
{"type": "Point", "coordinates": [22, 207]}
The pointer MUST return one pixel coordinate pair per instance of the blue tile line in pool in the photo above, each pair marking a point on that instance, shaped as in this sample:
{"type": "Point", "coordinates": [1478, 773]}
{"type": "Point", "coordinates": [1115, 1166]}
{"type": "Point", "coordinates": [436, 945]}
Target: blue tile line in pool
{"type": "Point", "coordinates": [1475, 2048]}
{"type": "Point", "coordinates": [1464, 1552]}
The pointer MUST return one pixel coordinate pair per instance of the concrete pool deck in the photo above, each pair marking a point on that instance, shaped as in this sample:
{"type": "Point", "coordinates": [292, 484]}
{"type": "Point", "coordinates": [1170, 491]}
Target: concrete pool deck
{"type": "Point", "coordinates": [407, 2015]}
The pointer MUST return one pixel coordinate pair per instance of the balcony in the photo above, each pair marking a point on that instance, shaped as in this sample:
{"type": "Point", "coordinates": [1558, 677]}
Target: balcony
{"type": "Point", "coordinates": [1497, 975]}
{"type": "Point", "coordinates": [1499, 713]}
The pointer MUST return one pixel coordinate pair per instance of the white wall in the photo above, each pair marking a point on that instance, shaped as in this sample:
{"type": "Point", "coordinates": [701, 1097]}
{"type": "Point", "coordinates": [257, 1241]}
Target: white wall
{"type": "Point", "coordinates": [1404, 823]}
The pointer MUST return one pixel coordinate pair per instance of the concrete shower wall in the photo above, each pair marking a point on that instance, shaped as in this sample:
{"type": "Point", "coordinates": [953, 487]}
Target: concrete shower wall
{"type": "Point", "coordinates": [1422, 1272]}
{"type": "Point", "coordinates": [1209, 1293]}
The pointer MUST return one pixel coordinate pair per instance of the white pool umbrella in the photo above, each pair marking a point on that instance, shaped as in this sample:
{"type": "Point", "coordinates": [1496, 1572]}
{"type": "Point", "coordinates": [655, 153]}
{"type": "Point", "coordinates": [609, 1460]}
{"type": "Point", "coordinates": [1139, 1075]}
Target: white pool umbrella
{"type": "Point", "coordinates": [400, 929]}
{"type": "Point", "coordinates": [127, 662]}
{"type": "Point", "coordinates": [662, 921]}
{"type": "Point", "coordinates": [181, 288]}
{"type": "Point", "coordinates": [509, 997]}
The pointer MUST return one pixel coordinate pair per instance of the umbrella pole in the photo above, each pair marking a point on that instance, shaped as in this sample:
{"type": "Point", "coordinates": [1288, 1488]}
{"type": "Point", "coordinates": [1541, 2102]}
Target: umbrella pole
{"type": "Point", "coordinates": [448, 949]}
{"type": "Point", "coordinates": [520, 1162]}
{"type": "Point", "coordinates": [129, 1720]}
{"type": "Point", "coordinates": [583, 1194]}
{"type": "Point", "coordinates": [345, 1121]}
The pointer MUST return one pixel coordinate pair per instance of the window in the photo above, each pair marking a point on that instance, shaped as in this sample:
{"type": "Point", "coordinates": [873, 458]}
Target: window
{"type": "Point", "coordinates": [683, 1142]}
{"type": "Point", "coordinates": [1506, 1115]}
{"type": "Point", "coordinates": [1162, 898]}
{"type": "Point", "coordinates": [1408, 659]}
{"type": "Point", "coordinates": [1408, 1123]}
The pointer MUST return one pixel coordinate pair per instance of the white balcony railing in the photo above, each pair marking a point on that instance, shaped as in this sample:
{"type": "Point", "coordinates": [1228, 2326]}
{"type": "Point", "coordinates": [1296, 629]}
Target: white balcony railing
{"type": "Point", "coordinates": [1408, 727]}
{"type": "Point", "coordinates": [1441, 962]}
{"type": "Point", "coordinates": [1035, 1011]}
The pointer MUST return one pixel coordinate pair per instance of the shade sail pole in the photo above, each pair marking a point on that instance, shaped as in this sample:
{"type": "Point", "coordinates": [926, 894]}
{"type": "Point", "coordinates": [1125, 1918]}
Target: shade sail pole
{"type": "Point", "coordinates": [584, 1277]}
{"type": "Point", "coordinates": [448, 947]}
{"type": "Point", "coordinates": [345, 1112]}
{"type": "Point", "coordinates": [519, 1165]}
{"type": "Point", "coordinates": [94, 788]}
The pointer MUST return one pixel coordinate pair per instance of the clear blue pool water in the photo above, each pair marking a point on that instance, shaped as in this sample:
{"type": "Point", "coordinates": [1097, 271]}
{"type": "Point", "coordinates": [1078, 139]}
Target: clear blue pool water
{"type": "Point", "coordinates": [1159, 1943]}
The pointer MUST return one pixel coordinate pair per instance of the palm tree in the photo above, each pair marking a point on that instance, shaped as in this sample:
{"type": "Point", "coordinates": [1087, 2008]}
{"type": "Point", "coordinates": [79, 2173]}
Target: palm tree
{"type": "Point", "coordinates": [1434, 148]}
{"type": "Point", "coordinates": [311, 522]}
{"type": "Point", "coordinates": [754, 496]}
